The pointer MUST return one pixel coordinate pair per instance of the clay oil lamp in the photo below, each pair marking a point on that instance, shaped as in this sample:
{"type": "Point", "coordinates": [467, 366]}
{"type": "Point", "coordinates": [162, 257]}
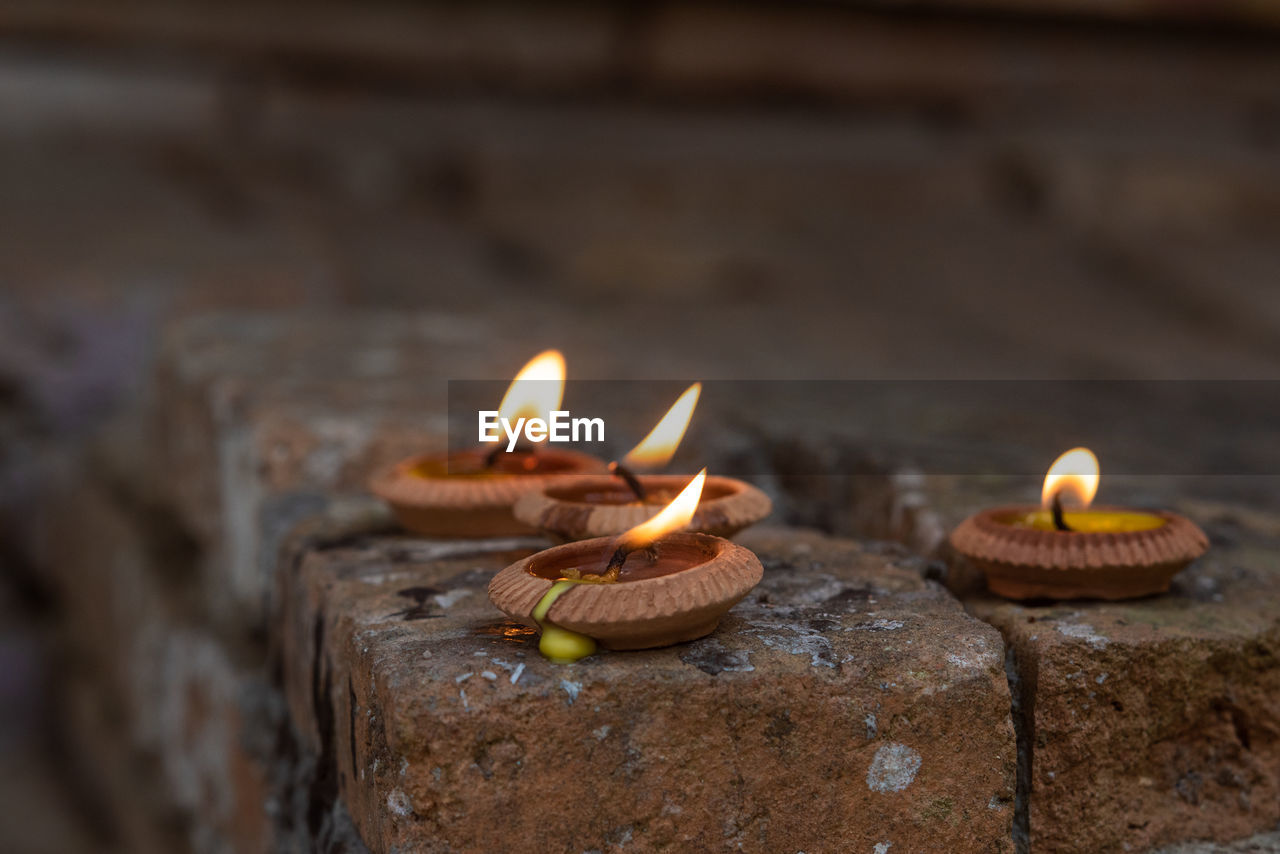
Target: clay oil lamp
{"type": "Point", "coordinates": [654, 585]}
{"type": "Point", "coordinates": [603, 506]}
{"type": "Point", "coordinates": [469, 493]}
{"type": "Point", "coordinates": [1049, 552]}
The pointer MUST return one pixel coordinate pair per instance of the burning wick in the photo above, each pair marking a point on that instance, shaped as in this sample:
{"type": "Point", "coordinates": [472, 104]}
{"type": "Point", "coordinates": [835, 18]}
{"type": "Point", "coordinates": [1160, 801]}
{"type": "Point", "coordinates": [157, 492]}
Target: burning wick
{"type": "Point", "coordinates": [637, 488]}
{"type": "Point", "coordinates": [673, 517]}
{"type": "Point", "coordinates": [657, 449]}
{"type": "Point", "coordinates": [1058, 521]}
{"type": "Point", "coordinates": [562, 646]}
{"type": "Point", "coordinates": [1076, 470]}
{"type": "Point", "coordinates": [536, 391]}
{"type": "Point", "coordinates": [620, 555]}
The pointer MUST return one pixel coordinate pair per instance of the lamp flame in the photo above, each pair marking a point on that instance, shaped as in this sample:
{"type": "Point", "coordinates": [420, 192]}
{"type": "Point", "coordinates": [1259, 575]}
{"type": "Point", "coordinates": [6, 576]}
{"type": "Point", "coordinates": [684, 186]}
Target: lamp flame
{"type": "Point", "coordinates": [537, 390]}
{"type": "Point", "coordinates": [673, 517]}
{"type": "Point", "coordinates": [657, 449]}
{"type": "Point", "coordinates": [1075, 471]}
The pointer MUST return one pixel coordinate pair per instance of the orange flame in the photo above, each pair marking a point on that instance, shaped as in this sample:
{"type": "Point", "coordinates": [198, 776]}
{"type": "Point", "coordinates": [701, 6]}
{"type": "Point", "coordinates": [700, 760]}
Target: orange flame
{"type": "Point", "coordinates": [537, 390]}
{"type": "Point", "coordinates": [673, 517]}
{"type": "Point", "coordinates": [657, 449]}
{"type": "Point", "coordinates": [1075, 471]}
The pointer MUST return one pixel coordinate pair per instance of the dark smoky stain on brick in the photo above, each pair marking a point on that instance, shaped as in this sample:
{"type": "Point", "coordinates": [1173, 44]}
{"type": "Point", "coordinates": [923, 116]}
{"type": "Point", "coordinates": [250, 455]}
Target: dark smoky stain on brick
{"type": "Point", "coordinates": [1189, 787]}
{"type": "Point", "coordinates": [351, 725]}
{"type": "Point", "coordinates": [712, 657]}
{"type": "Point", "coordinates": [422, 608]}
{"type": "Point", "coordinates": [779, 727]}
{"type": "Point", "coordinates": [632, 766]}
{"type": "Point", "coordinates": [471, 578]}
{"type": "Point", "coordinates": [1224, 531]}
{"type": "Point", "coordinates": [502, 756]}
{"type": "Point", "coordinates": [323, 790]}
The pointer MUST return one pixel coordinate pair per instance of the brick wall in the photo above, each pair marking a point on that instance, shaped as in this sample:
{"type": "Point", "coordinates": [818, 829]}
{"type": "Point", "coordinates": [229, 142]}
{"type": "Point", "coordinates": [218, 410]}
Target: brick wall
{"type": "Point", "coordinates": [677, 190]}
{"type": "Point", "coordinates": [288, 696]}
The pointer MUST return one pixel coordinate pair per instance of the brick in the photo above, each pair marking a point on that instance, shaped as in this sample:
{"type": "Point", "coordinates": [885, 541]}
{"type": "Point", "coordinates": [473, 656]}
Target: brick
{"type": "Point", "coordinates": [845, 703]}
{"type": "Point", "coordinates": [264, 416]}
{"type": "Point", "coordinates": [672, 47]}
{"type": "Point", "coordinates": [1157, 720]}
{"type": "Point", "coordinates": [549, 46]}
{"type": "Point", "coordinates": [972, 67]}
{"type": "Point", "coordinates": [175, 724]}
{"type": "Point", "coordinates": [1148, 723]}
{"type": "Point", "coordinates": [253, 411]}
{"type": "Point", "coordinates": [1257, 844]}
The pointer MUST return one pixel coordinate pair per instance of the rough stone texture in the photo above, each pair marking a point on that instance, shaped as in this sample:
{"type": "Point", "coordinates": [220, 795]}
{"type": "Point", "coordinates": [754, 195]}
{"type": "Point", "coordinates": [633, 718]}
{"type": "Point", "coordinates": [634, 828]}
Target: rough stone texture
{"type": "Point", "coordinates": [157, 702]}
{"type": "Point", "coordinates": [177, 731]}
{"type": "Point", "coordinates": [553, 45]}
{"type": "Point", "coordinates": [929, 186]}
{"type": "Point", "coordinates": [247, 414]}
{"type": "Point", "coordinates": [259, 420]}
{"type": "Point", "coordinates": [265, 416]}
{"type": "Point", "coordinates": [563, 45]}
{"type": "Point", "coordinates": [1262, 843]}
{"type": "Point", "coordinates": [844, 703]}
{"type": "Point", "coordinates": [1142, 723]}
{"type": "Point", "coordinates": [1157, 720]}
{"type": "Point", "coordinates": [321, 418]}
{"type": "Point", "coordinates": [837, 54]}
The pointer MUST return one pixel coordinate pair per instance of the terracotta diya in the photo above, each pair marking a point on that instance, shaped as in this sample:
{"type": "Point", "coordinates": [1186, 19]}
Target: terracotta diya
{"type": "Point", "coordinates": [644, 589]}
{"type": "Point", "coordinates": [1048, 552]}
{"type": "Point", "coordinates": [470, 493]}
{"type": "Point", "coordinates": [604, 506]}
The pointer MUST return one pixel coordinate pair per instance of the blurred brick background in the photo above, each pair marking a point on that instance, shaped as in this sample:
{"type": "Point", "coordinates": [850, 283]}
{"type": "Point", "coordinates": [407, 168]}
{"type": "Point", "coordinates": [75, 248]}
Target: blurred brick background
{"type": "Point", "coordinates": [949, 189]}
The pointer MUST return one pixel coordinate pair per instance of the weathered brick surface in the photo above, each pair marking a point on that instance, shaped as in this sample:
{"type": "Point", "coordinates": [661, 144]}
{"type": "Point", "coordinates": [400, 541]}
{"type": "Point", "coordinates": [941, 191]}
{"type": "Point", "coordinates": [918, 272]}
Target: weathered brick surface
{"type": "Point", "coordinates": [987, 67]}
{"type": "Point", "coordinates": [1032, 162]}
{"type": "Point", "coordinates": [263, 417]}
{"type": "Point", "coordinates": [553, 45]}
{"type": "Point", "coordinates": [1150, 722]}
{"type": "Point", "coordinates": [1260, 843]}
{"type": "Point", "coordinates": [173, 723]}
{"type": "Point", "coordinates": [266, 416]}
{"type": "Point", "coordinates": [1157, 720]}
{"type": "Point", "coordinates": [269, 416]}
{"type": "Point", "coordinates": [845, 704]}
{"type": "Point", "coordinates": [821, 49]}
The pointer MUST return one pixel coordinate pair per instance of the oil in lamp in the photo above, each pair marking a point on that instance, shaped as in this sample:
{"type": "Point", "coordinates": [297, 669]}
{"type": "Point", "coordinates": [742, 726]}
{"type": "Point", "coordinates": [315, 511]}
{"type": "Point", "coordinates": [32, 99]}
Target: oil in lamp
{"type": "Point", "coordinates": [602, 506]}
{"type": "Point", "coordinates": [653, 585]}
{"type": "Point", "coordinates": [1051, 552]}
{"type": "Point", "coordinates": [469, 493]}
